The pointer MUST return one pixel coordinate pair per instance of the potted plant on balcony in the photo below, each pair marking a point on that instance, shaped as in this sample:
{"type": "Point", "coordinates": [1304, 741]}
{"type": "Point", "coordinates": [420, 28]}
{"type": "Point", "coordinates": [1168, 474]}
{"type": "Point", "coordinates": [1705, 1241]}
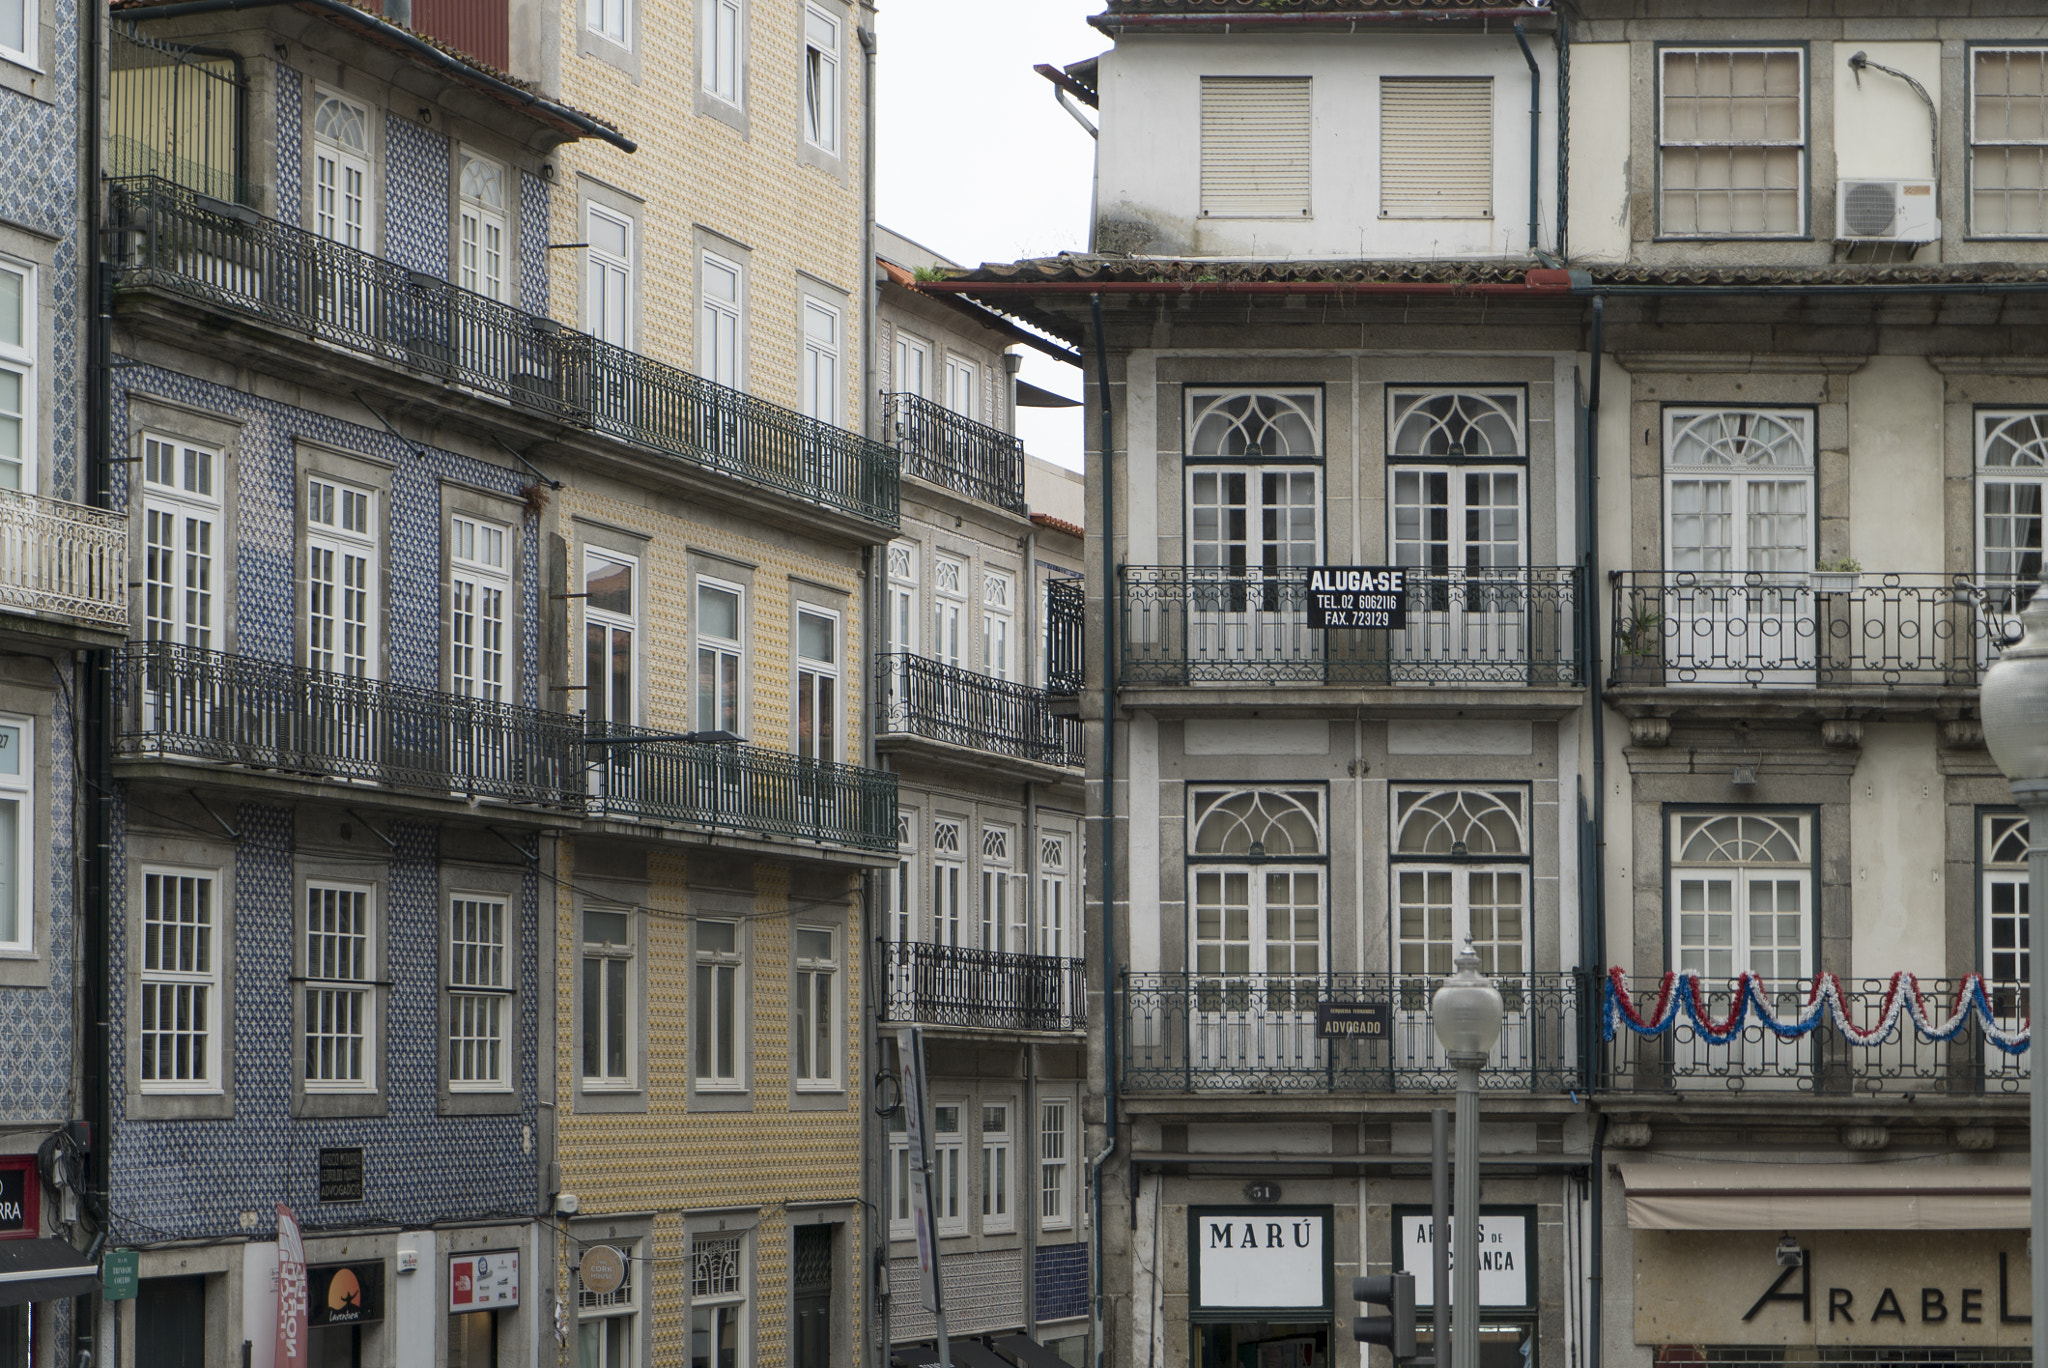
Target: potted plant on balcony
{"type": "Point", "coordinates": [1836, 576]}
{"type": "Point", "coordinates": [1640, 635]}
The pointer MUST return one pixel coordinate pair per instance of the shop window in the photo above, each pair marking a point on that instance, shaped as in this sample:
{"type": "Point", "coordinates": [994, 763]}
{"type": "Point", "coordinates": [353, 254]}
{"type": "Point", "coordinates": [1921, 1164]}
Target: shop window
{"type": "Point", "coordinates": [718, 1301]}
{"type": "Point", "coordinates": [608, 1323]}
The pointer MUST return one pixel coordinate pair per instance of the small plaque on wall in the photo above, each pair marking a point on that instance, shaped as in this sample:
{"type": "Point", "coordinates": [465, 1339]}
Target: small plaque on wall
{"type": "Point", "coordinates": [341, 1175]}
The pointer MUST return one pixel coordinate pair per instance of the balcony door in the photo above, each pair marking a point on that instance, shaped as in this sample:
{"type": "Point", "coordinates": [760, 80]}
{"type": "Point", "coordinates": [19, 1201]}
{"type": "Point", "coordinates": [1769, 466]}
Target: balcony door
{"type": "Point", "coordinates": [181, 570]}
{"type": "Point", "coordinates": [2012, 478]}
{"type": "Point", "coordinates": [344, 208]}
{"type": "Point", "coordinates": [1738, 507]}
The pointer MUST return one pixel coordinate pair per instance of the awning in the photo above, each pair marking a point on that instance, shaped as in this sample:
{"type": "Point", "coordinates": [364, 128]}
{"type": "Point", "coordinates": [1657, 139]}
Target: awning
{"type": "Point", "coordinates": [1825, 1197]}
{"type": "Point", "coordinates": [43, 1270]}
{"type": "Point", "coordinates": [1034, 396]}
{"type": "Point", "coordinates": [1028, 1352]}
{"type": "Point", "coordinates": [965, 1353]}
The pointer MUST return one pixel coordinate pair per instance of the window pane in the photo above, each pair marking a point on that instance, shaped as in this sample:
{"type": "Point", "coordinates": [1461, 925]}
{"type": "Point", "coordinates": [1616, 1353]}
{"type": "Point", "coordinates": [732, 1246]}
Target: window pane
{"type": "Point", "coordinates": [12, 283]}
{"type": "Point", "coordinates": [718, 612]}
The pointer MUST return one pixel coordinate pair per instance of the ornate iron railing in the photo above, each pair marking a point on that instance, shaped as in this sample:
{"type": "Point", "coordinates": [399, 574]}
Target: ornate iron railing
{"type": "Point", "coordinates": [264, 715]}
{"type": "Point", "coordinates": [63, 559]}
{"type": "Point", "coordinates": [1806, 631]}
{"type": "Point", "coordinates": [1066, 608]}
{"type": "Point", "coordinates": [950, 985]}
{"type": "Point", "coordinates": [1185, 1032]}
{"type": "Point", "coordinates": [1224, 625]}
{"type": "Point", "coordinates": [939, 445]}
{"type": "Point", "coordinates": [918, 696]}
{"type": "Point", "coordinates": [1824, 1061]}
{"type": "Point", "coordinates": [653, 776]}
{"type": "Point", "coordinates": [174, 239]}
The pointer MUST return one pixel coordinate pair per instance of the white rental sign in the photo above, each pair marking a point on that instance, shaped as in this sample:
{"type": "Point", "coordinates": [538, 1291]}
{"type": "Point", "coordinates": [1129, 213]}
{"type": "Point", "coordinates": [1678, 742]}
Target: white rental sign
{"type": "Point", "coordinates": [1261, 1257]}
{"type": "Point", "coordinates": [1503, 1257]}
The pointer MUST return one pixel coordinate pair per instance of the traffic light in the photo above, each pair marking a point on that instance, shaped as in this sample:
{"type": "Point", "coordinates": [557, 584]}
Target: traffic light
{"type": "Point", "coordinates": [1396, 1330]}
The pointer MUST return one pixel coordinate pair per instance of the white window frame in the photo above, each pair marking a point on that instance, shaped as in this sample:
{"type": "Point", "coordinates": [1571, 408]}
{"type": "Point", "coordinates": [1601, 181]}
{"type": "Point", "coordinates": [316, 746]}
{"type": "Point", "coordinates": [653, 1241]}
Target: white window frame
{"type": "Point", "coordinates": [480, 1002]}
{"type": "Point", "coordinates": [949, 610]}
{"type": "Point", "coordinates": [1667, 143]}
{"type": "Point", "coordinates": [608, 277]}
{"type": "Point", "coordinates": [904, 911]}
{"type": "Point", "coordinates": [823, 96]}
{"type": "Point", "coordinates": [343, 534]}
{"type": "Point", "coordinates": [598, 702]}
{"type": "Point", "coordinates": [1271, 809]}
{"type": "Point", "coordinates": [823, 330]}
{"type": "Point", "coordinates": [899, 1177]}
{"type": "Point", "coordinates": [330, 190]}
{"type": "Point", "coordinates": [963, 387]}
{"type": "Point", "coordinates": [906, 378]}
{"type": "Point", "coordinates": [949, 1174]}
{"type": "Point", "coordinates": [949, 873]}
{"type": "Point", "coordinates": [622, 1305]}
{"type": "Point", "coordinates": [727, 1304]}
{"type": "Point", "coordinates": [1980, 144]}
{"type": "Point", "coordinates": [814, 1003]}
{"type": "Point", "coordinates": [814, 687]}
{"type": "Point", "coordinates": [206, 1021]}
{"type": "Point", "coordinates": [2005, 900]}
{"type": "Point", "coordinates": [998, 910]}
{"type": "Point", "coordinates": [998, 646]}
{"type": "Point", "coordinates": [18, 836]}
{"type": "Point", "coordinates": [900, 625]}
{"type": "Point", "coordinates": [1743, 877]}
{"type": "Point", "coordinates": [611, 20]}
{"type": "Point", "coordinates": [335, 989]}
{"type": "Point", "coordinates": [479, 608]}
{"type": "Point", "coordinates": [18, 361]}
{"type": "Point", "coordinates": [722, 340]}
{"type": "Point", "coordinates": [608, 953]}
{"type": "Point", "coordinates": [998, 1169]}
{"type": "Point", "coordinates": [1473, 413]}
{"type": "Point", "coordinates": [720, 651]}
{"type": "Point", "coordinates": [2021, 436]}
{"type": "Point", "coordinates": [1740, 479]}
{"type": "Point", "coordinates": [180, 582]}
{"type": "Point", "coordinates": [484, 246]}
{"type": "Point", "coordinates": [723, 974]}
{"type": "Point", "coordinates": [1055, 937]}
{"type": "Point", "coordinates": [725, 51]}
{"type": "Point", "coordinates": [1055, 1199]}
{"type": "Point", "coordinates": [27, 53]}
{"type": "Point", "coordinates": [1470, 816]}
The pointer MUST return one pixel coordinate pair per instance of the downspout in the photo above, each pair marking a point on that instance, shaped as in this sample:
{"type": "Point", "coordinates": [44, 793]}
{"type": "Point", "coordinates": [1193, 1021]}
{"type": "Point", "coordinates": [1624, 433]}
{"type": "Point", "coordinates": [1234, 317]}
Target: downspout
{"type": "Point", "coordinates": [1535, 127]}
{"type": "Point", "coordinates": [1107, 840]}
{"type": "Point", "coordinates": [1595, 1266]}
{"type": "Point", "coordinates": [1593, 928]}
{"type": "Point", "coordinates": [1564, 133]}
{"type": "Point", "coordinates": [874, 1142]}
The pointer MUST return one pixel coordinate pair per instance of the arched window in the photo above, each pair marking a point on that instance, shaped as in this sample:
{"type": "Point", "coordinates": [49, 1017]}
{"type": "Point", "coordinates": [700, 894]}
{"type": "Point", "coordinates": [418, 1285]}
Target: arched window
{"type": "Point", "coordinates": [1256, 883]}
{"type": "Point", "coordinates": [1456, 425]}
{"type": "Point", "coordinates": [2012, 483]}
{"type": "Point", "coordinates": [2005, 960]}
{"type": "Point", "coordinates": [1259, 823]}
{"type": "Point", "coordinates": [1742, 894]}
{"type": "Point", "coordinates": [1461, 873]}
{"type": "Point", "coordinates": [1255, 424]}
{"type": "Point", "coordinates": [1739, 491]}
{"type": "Point", "coordinates": [1455, 473]}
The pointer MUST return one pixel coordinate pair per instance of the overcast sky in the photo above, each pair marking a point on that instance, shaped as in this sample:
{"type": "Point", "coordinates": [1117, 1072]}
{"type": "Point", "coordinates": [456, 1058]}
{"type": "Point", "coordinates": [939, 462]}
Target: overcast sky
{"type": "Point", "coordinates": [977, 162]}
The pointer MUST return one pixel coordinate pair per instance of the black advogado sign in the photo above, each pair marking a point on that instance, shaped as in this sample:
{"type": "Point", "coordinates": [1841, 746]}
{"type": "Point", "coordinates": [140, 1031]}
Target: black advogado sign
{"type": "Point", "coordinates": [344, 1294]}
{"type": "Point", "coordinates": [1369, 596]}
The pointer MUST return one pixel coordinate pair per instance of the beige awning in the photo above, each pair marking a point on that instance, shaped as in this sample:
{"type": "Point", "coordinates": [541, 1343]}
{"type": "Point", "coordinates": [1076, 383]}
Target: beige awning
{"type": "Point", "coordinates": [1825, 1196]}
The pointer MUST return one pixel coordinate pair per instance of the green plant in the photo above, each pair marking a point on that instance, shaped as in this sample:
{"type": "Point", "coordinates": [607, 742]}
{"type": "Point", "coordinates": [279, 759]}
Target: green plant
{"type": "Point", "coordinates": [1847, 565]}
{"type": "Point", "coordinates": [1639, 633]}
{"type": "Point", "coordinates": [929, 273]}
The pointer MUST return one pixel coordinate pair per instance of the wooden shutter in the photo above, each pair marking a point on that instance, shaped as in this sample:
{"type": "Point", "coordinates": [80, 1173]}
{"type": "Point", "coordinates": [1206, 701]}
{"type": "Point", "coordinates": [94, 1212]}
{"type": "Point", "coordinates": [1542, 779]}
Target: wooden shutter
{"type": "Point", "coordinates": [1255, 134]}
{"type": "Point", "coordinates": [1436, 148]}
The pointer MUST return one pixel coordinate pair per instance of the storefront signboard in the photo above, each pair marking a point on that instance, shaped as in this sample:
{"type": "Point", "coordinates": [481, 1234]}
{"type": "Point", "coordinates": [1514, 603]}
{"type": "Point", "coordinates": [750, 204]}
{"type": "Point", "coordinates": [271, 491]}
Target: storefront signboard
{"type": "Point", "coordinates": [344, 1294]}
{"type": "Point", "coordinates": [482, 1282]}
{"type": "Point", "coordinates": [1372, 596]}
{"type": "Point", "coordinates": [1506, 1252]}
{"type": "Point", "coordinates": [19, 1193]}
{"type": "Point", "coordinates": [1258, 1259]}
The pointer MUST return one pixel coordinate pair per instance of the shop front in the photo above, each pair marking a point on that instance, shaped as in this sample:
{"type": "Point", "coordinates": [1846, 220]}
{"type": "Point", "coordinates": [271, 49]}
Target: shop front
{"type": "Point", "coordinates": [1507, 1283]}
{"type": "Point", "coordinates": [1261, 1290]}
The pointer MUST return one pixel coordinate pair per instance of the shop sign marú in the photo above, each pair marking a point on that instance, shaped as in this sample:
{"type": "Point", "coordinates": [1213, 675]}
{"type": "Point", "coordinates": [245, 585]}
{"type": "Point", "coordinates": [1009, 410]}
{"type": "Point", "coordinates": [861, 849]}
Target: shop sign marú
{"type": "Point", "coordinates": [1265, 1258]}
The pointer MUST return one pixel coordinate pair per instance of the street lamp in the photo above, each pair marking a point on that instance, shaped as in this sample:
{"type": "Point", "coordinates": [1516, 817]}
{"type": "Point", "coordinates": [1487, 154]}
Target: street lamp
{"type": "Point", "coordinates": [1466, 1013]}
{"type": "Point", "coordinates": [2013, 704]}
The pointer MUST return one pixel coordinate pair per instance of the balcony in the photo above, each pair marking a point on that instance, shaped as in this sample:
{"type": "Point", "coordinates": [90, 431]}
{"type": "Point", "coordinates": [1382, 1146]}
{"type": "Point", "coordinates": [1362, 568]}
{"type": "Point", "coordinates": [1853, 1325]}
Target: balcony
{"type": "Point", "coordinates": [971, 458]}
{"type": "Point", "coordinates": [926, 698]}
{"type": "Point", "coordinates": [1760, 632]}
{"type": "Point", "coordinates": [949, 985]}
{"type": "Point", "coordinates": [177, 240]}
{"type": "Point", "coordinates": [188, 703]}
{"type": "Point", "coordinates": [1199, 625]}
{"type": "Point", "coordinates": [1066, 606]}
{"type": "Point", "coordinates": [64, 563]}
{"type": "Point", "coordinates": [638, 775]}
{"type": "Point", "coordinates": [1187, 1032]}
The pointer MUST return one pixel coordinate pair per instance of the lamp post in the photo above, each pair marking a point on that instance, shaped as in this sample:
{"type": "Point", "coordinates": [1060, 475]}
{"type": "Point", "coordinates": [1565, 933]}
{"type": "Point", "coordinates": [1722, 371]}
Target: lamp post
{"type": "Point", "coordinates": [2013, 704]}
{"type": "Point", "coordinates": [1466, 1013]}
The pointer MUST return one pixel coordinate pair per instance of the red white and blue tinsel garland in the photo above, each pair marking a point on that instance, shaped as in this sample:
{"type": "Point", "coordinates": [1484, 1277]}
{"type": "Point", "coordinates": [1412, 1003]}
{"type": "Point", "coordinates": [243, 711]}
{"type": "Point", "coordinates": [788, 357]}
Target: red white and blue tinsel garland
{"type": "Point", "coordinates": [1680, 997]}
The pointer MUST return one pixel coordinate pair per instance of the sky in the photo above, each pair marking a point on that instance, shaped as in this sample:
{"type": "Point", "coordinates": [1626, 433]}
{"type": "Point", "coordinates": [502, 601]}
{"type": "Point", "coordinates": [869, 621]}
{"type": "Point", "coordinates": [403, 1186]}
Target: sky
{"type": "Point", "coordinates": [976, 161]}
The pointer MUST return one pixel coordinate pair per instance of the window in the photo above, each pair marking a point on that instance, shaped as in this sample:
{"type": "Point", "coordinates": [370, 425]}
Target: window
{"type": "Point", "coordinates": [1436, 147]}
{"type": "Point", "coordinates": [1739, 487]}
{"type": "Point", "coordinates": [817, 683]}
{"type": "Point", "coordinates": [1257, 877]}
{"type": "Point", "coordinates": [718, 1301]}
{"type": "Point", "coordinates": [717, 1020]}
{"type": "Point", "coordinates": [1054, 1166]}
{"type": "Point", "coordinates": [480, 226]}
{"type": "Point", "coordinates": [479, 994]}
{"type": "Point", "coordinates": [2012, 475]}
{"type": "Point", "coordinates": [2008, 142]}
{"type": "Point", "coordinates": [607, 1323]}
{"type": "Point", "coordinates": [1461, 872]}
{"type": "Point", "coordinates": [948, 869]}
{"type": "Point", "coordinates": [17, 361]}
{"type": "Point", "coordinates": [1732, 142]}
{"type": "Point", "coordinates": [607, 998]}
{"type": "Point", "coordinates": [821, 361]}
{"type": "Point", "coordinates": [949, 1148]}
{"type": "Point", "coordinates": [342, 187]}
{"type": "Point", "coordinates": [340, 1003]}
{"type": "Point", "coordinates": [724, 67]}
{"type": "Point", "coordinates": [1255, 147]}
{"type": "Point", "coordinates": [181, 518]}
{"type": "Point", "coordinates": [18, 20]}
{"type": "Point", "coordinates": [817, 1016]}
{"type": "Point", "coordinates": [612, 20]}
{"type": "Point", "coordinates": [2006, 960]}
{"type": "Point", "coordinates": [810, 1295]}
{"type": "Point", "coordinates": [720, 656]}
{"type": "Point", "coordinates": [724, 297]}
{"type": "Point", "coordinates": [1741, 895]}
{"type": "Point", "coordinates": [341, 578]}
{"type": "Point", "coordinates": [1248, 524]}
{"type": "Point", "coordinates": [963, 387]}
{"type": "Point", "coordinates": [1455, 465]}
{"type": "Point", "coordinates": [17, 833]}
{"type": "Point", "coordinates": [996, 1216]}
{"type": "Point", "coordinates": [899, 1176]}
{"type": "Point", "coordinates": [607, 307]}
{"type": "Point", "coordinates": [903, 893]}
{"type": "Point", "coordinates": [949, 605]}
{"type": "Point", "coordinates": [899, 624]}
{"type": "Point", "coordinates": [180, 1009]}
{"type": "Point", "coordinates": [479, 587]}
{"type": "Point", "coordinates": [996, 902]}
{"type": "Point", "coordinates": [1053, 932]}
{"type": "Point", "coordinates": [913, 366]}
{"type": "Point", "coordinates": [998, 591]}
{"type": "Point", "coordinates": [610, 623]}
{"type": "Point", "coordinates": [821, 80]}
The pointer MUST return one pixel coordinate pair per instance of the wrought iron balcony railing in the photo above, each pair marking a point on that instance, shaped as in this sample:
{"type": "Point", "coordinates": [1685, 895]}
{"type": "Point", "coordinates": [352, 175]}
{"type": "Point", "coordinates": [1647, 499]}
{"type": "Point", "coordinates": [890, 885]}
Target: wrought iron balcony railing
{"type": "Point", "coordinates": [919, 696]}
{"type": "Point", "coordinates": [63, 560]}
{"type": "Point", "coordinates": [1185, 1032]}
{"type": "Point", "coordinates": [652, 776]}
{"type": "Point", "coordinates": [950, 985]}
{"type": "Point", "coordinates": [253, 714]}
{"type": "Point", "coordinates": [1248, 625]}
{"type": "Point", "coordinates": [939, 445]}
{"type": "Point", "coordinates": [1066, 607]}
{"type": "Point", "coordinates": [1682, 630]}
{"type": "Point", "coordinates": [175, 239]}
{"type": "Point", "coordinates": [1824, 1061]}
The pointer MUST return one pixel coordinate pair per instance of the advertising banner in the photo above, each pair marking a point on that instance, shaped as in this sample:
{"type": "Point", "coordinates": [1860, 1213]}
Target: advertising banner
{"type": "Point", "coordinates": [291, 1292]}
{"type": "Point", "coordinates": [917, 1118]}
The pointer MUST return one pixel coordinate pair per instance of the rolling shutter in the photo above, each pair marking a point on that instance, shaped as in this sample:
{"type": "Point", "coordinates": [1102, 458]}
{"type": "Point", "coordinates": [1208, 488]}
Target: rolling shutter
{"type": "Point", "coordinates": [1255, 132]}
{"type": "Point", "coordinates": [1436, 148]}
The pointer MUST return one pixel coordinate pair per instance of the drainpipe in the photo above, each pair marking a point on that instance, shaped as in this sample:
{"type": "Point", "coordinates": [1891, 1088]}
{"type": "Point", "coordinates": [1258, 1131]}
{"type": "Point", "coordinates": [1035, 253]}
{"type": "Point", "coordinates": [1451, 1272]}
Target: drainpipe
{"type": "Point", "coordinates": [1593, 927]}
{"type": "Point", "coordinates": [1107, 841]}
{"type": "Point", "coordinates": [1535, 126]}
{"type": "Point", "coordinates": [1595, 1264]}
{"type": "Point", "coordinates": [874, 916]}
{"type": "Point", "coordinates": [1564, 133]}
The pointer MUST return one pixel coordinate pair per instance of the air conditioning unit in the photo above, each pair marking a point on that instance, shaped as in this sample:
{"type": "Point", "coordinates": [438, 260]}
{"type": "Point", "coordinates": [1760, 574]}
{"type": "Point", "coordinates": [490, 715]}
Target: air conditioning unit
{"type": "Point", "coordinates": [1886, 211]}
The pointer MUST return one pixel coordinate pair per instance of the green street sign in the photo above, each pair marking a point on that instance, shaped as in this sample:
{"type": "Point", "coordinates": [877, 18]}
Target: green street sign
{"type": "Point", "coordinates": [117, 1274]}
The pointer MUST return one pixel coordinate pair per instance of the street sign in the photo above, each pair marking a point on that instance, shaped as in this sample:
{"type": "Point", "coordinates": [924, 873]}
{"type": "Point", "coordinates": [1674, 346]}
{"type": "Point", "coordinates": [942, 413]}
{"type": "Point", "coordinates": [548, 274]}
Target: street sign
{"type": "Point", "coordinates": [118, 1271]}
